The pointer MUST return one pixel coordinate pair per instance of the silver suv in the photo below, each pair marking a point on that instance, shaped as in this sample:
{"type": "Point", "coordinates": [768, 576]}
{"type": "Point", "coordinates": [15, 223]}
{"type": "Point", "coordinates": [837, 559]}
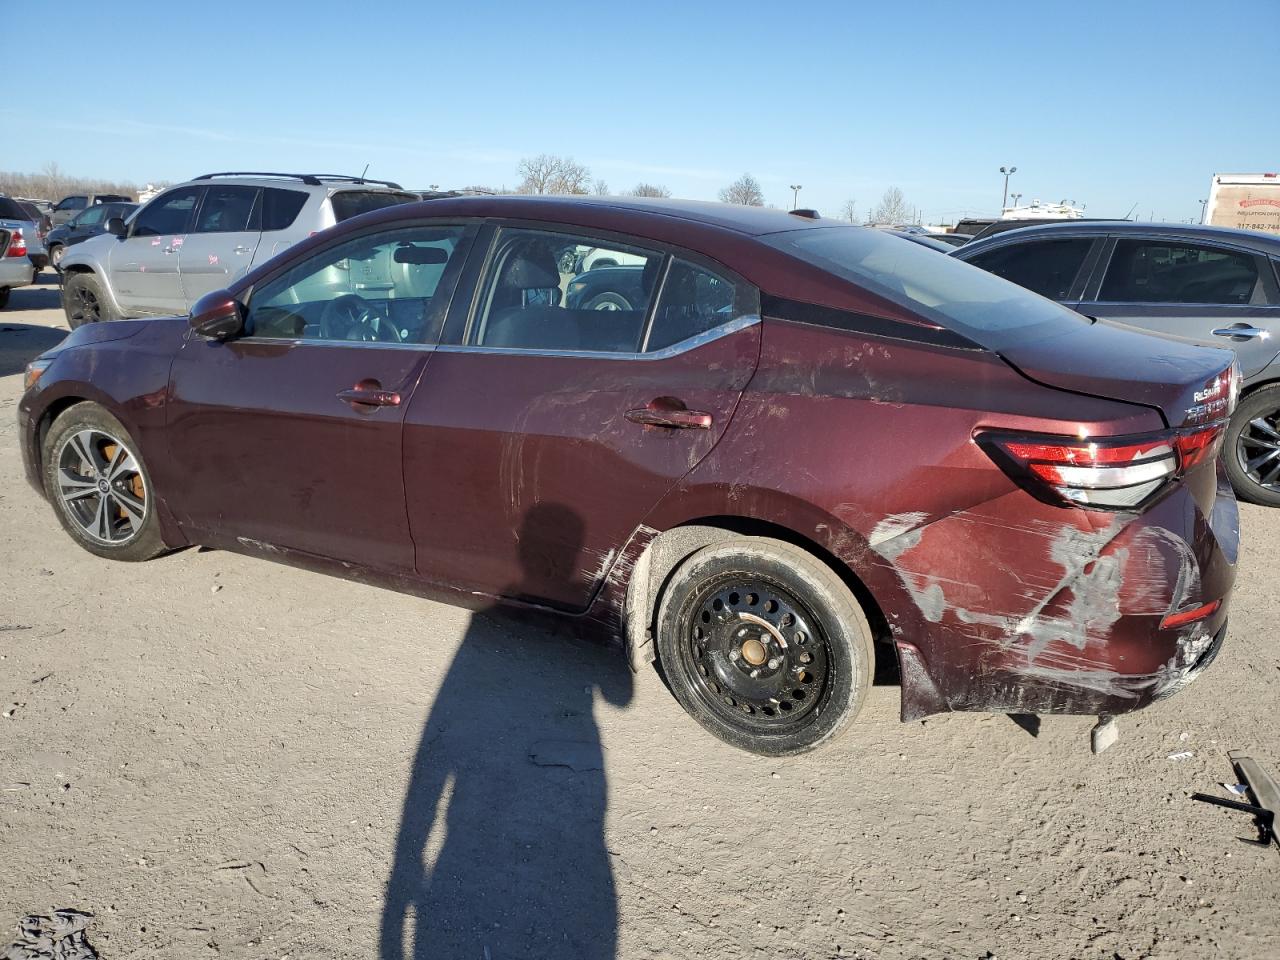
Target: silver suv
{"type": "Point", "coordinates": [203, 235]}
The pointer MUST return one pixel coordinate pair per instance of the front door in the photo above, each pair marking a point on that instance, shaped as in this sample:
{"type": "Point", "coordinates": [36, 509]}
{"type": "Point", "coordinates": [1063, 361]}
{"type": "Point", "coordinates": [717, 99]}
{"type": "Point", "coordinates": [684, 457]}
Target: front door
{"type": "Point", "coordinates": [544, 431]}
{"type": "Point", "coordinates": [1199, 292]}
{"type": "Point", "coordinates": [290, 436]}
{"type": "Point", "coordinates": [220, 247]}
{"type": "Point", "coordinates": [144, 264]}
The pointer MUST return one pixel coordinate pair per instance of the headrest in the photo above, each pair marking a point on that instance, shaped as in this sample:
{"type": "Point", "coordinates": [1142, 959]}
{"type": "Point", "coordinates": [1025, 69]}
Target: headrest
{"type": "Point", "coordinates": [532, 268]}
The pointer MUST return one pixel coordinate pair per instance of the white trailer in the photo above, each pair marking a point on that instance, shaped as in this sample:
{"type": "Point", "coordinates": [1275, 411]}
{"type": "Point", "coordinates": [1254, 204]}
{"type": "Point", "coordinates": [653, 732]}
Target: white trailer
{"type": "Point", "coordinates": [1247, 201]}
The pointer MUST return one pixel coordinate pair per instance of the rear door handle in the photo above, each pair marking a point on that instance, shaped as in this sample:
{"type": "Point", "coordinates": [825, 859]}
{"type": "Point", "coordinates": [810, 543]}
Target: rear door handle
{"type": "Point", "coordinates": [669, 412]}
{"type": "Point", "coordinates": [369, 393]}
{"type": "Point", "coordinates": [1242, 331]}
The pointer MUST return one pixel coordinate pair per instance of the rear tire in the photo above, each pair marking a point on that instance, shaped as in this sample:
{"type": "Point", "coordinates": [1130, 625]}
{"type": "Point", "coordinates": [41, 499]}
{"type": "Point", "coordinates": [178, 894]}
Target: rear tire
{"type": "Point", "coordinates": [99, 485]}
{"type": "Point", "coordinates": [1253, 437]}
{"type": "Point", "coordinates": [764, 646]}
{"type": "Point", "coordinates": [84, 301]}
{"type": "Point", "coordinates": [55, 255]}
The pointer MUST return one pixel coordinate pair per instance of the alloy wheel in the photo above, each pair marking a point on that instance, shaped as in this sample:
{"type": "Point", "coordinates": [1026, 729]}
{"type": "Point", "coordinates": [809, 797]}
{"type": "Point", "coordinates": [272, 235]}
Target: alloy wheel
{"type": "Point", "coordinates": [1258, 450]}
{"type": "Point", "coordinates": [85, 306]}
{"type": "Point", "coordinates": [101, 487]}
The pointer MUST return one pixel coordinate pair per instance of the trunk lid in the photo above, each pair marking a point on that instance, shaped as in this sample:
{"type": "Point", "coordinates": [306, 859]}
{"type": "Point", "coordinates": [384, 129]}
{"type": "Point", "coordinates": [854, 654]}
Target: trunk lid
{"type": "Point", "coordinates": [1188, 384]}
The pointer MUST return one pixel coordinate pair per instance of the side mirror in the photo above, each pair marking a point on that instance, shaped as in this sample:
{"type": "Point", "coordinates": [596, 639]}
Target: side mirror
{"type": "Point", "coordinates": [115, 227]}
{"type": "Point", "coordinates": [217, 316]}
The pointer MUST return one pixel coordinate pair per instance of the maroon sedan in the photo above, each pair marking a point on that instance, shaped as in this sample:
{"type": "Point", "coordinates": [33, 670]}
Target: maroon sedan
{"type": "Point", "coordinates": [781, 442]}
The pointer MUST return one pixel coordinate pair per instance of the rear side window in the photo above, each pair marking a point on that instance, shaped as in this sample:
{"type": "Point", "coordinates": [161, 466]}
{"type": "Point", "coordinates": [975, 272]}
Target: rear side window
{"type": "Point", "coordinates": [226, 209]}
{"type": "Point", "coordinates": [1155, 271]}
{"type": "Point", "coordinates": [541, 294]}
{"type": "Point", "coordinates": [693, 301]}
{"type": "Point", "coordinates": [352, 203]}
{"type": "Point", "coordinates": [72, 203]}
{"type": "Point", "coordinates": [942, 289]}
{"type": "Point", "coordinates": [167, 213]}
{"type": "Point", "coordinates": [281, 207]}
{"type": "Point", "coordinates": [1047, 267]}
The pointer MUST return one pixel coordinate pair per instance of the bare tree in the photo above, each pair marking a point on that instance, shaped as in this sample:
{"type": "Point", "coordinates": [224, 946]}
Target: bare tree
{"type": "Point", "coordinates": [893, 208]}
{"type": "Point", "coordinates": [600, 188]}
{"type": "Point", "coordinates": [54, 184]}
{"type": "Point", "coordinates": [547, 173]}
{"type": "Point", "coordinates": [745, 190]}
{"type": "Point", "coordinates": [850, 211]}
{"type": "Point", "coordinates": [650, 190]}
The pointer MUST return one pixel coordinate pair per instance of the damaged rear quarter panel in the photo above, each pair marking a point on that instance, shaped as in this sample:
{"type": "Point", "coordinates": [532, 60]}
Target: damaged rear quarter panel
{"type": "Point", "coordinates": [997, 601]}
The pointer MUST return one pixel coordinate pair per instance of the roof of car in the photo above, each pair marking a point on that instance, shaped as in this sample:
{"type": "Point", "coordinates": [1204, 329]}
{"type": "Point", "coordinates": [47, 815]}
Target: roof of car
{"type": "Point", "coordinates": [752, 221]}
{"type": "Point", "coordinates": [1259, 241]}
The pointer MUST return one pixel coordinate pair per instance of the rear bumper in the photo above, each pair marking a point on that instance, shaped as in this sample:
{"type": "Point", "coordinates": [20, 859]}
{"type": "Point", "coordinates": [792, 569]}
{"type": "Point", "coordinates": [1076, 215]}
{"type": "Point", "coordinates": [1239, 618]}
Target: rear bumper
{"type": "Point", "coordinates": [16, 271]}
{"type": "Point", "coordinates": [1028, 611]}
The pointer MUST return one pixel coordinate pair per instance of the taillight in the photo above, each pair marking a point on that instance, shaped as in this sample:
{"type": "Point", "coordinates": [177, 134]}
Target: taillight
{"type": "Point", "coordinates": [17, 245]}
{"type": "Point", "coordinates": [1112, 473]}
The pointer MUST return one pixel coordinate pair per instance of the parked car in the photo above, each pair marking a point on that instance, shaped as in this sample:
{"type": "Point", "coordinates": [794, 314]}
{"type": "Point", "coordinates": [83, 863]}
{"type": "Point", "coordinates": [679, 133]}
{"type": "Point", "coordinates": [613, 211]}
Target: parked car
{"type": "Point", "coordinates": [14, 217]}
{"type": "Point", "coordinates": [951, 239]}
{"type": "Point", "coordinates": [1208, 285]}
{"type": "Point", "coordinates": [16, 268]}
{"type": "Point", "coordinates": [68, 207]}
{"type": "Point", "coordinates": [204, 235]}
{"type": "Point", "coordinates": [85, 224]}
{"type": "Point", "coordinates": [801, 438]}
{"type": "Point", "coordinates": [923, 239]}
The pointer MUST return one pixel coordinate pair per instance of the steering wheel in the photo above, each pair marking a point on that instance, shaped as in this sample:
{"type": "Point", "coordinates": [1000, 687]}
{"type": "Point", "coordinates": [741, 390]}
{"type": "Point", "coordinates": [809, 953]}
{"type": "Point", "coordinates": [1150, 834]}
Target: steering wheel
{"type": "Point", "coordinates": [351, 317]}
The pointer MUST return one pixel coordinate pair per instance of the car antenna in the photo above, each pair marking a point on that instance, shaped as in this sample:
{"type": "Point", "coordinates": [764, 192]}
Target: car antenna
{"type": "Point", "coordinates": [364, 171]}
{"type": "Point", "coordinates": [1131, 209]}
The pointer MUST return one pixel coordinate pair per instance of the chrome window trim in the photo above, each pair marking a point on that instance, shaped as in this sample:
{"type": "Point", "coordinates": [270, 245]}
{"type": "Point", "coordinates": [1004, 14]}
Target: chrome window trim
{"type": "Point", "coordinates": [684, 346]}
{"type": "Point", "coordinates": [317, 342]}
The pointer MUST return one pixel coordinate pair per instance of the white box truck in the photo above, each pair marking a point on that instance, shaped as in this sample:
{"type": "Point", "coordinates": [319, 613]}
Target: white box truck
{"type": "Point", "coordinates": [1247, 201]}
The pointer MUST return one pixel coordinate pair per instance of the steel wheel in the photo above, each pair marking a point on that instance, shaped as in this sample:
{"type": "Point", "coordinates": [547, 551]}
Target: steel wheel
{"type": "Point", "coordinates": [757, 654]}
{"type": "Point", "coordinates": [764, 645]}
{"type": "Point", "coordinates": [101, 488]}
{"type": "Point", "coordinates": [1258, 450]}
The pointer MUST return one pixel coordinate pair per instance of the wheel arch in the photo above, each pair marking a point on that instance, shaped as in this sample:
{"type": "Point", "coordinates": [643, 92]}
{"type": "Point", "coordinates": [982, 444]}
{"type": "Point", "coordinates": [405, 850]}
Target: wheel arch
{"type": "Point", "coordinates": [652, 572]}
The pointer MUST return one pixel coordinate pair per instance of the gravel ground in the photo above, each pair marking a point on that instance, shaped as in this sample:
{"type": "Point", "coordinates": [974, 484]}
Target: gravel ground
{"type": "Point", "coordinates": [218, 756]}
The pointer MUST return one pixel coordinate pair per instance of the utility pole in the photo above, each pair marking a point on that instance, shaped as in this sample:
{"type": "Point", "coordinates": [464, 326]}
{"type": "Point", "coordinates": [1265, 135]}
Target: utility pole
{"type": "Point", "coordinates": [1203, 204]}
{"type": "Point", "coordinates": [1008, 172]}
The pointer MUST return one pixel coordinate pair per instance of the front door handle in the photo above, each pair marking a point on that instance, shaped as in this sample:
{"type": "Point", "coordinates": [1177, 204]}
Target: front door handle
{"type": "Point", "coordinates": [369, 393]}
{"type": "Point", "coordinates": [1242, 331]}
{"type": "Point", "coordinates": [669, 412]}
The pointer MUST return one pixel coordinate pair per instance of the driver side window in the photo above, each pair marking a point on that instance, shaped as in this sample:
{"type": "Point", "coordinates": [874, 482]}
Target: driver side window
{"type": "Point", "coordinates": [377, 288]}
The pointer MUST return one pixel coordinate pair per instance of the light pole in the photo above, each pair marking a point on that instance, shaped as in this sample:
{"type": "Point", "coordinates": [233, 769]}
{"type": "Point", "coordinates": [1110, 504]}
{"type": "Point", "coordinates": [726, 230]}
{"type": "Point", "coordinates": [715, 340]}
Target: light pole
{"type": "Point", "coordinates": [795, 196]}
{"type": "Point", "coordinates": [1202, 206]}
{"type": "Point", "coordinates": [1015, 197]}
{"type": "Point", "coordinates": [1008, 172]}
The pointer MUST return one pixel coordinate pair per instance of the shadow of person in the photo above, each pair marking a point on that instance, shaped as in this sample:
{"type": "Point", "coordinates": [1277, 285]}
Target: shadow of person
{"type": "Point", "coordinates": [501, 849]}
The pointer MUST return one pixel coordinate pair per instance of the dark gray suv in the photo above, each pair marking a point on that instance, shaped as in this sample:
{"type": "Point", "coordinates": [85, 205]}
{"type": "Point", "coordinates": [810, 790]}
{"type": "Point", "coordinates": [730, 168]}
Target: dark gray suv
{"type": "Point", "coordinates": [1207, 285]}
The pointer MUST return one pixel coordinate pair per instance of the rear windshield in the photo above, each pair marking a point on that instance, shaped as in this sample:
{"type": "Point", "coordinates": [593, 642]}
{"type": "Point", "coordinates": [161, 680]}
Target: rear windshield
{"type": "Point", "coordinates": [352, 203]}
{"type": "Point", "coordinates": [10, 210]}
{"type": "Point", "coordinates": [940, 288]}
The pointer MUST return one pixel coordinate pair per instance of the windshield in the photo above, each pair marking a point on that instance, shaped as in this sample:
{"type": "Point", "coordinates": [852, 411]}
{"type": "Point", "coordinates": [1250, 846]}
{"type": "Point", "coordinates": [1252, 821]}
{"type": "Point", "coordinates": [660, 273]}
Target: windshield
{"type": "Point", "coordinates": [352, 203]}
{"type": "Point", "coordinates": [940, 288]}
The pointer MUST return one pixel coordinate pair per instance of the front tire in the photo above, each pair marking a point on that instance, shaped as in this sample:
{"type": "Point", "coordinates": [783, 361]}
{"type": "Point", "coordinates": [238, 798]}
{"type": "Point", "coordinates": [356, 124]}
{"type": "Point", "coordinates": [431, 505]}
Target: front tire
{"type": "Point", "coordinates": [764, 646]}
{"type": "Point", "coordinates": [1252, 448]}
{"type": "Point", "coordinates": [84, 301]}
{"type": "Point", "coordinates": [607, 301]}
{"type": "Point", "coordinates": [99, 485]}
{"type": "Point", "coordinates": [55, 255]}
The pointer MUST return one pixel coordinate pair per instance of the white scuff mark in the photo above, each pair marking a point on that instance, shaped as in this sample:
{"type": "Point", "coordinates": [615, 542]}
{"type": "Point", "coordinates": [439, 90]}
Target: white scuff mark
{"type": "Point", "coordinates": [894, 526]}
{"type": "Point", "coordinates": [1181, 755]}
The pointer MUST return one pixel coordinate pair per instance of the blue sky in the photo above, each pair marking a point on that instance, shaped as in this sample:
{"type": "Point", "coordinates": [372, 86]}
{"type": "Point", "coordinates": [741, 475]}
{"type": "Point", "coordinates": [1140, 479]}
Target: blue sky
{"type": "Point", "coordinates": [1107, 103]}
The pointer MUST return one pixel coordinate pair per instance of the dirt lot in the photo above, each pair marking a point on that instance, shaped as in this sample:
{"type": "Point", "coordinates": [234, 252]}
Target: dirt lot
{"type": "Point", "coordinates": [218, 756]}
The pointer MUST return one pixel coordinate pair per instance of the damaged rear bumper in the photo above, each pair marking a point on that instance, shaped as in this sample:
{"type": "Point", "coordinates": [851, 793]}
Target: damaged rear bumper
{"type": "Point", "coordinates": [1022, 608]}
